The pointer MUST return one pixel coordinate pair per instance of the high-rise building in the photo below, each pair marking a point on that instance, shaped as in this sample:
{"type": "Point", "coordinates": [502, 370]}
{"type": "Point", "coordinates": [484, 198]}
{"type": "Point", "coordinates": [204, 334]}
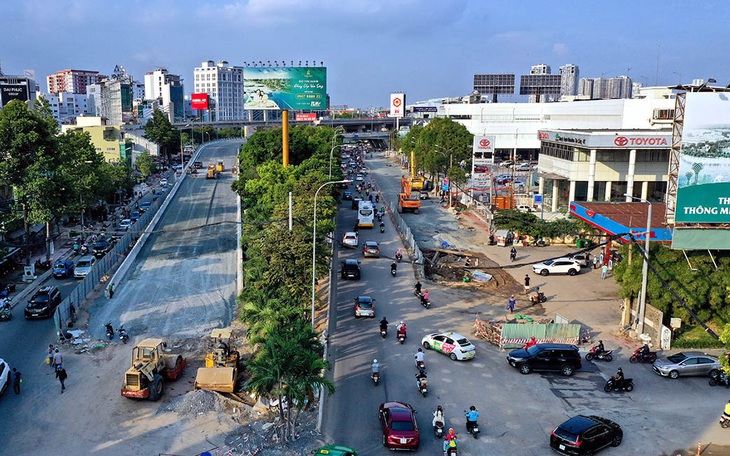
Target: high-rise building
{"type": "Point", "coordinates": [569, 79]}
{"type": "Point", "coordinates": [112, 97]}
{"type": "Point", "coordinates": [12, 87]}
{"type": "Point", "coordinates": [224, 85]}
{"type": "Point", "coordinates": [606, 88]}
{"type": "Point", "coordinates": [167, 89]}
{"type": "Point", "coordinates": [73, 81]}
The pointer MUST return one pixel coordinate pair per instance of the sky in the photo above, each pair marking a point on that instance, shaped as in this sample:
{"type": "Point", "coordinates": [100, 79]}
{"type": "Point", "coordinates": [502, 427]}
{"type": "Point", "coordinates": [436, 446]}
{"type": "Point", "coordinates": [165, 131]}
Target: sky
{"type": "Point", "coordinates": [371, 48]}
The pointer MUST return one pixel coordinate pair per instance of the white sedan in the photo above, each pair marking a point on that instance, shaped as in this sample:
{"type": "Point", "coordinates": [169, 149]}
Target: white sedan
{"type": "Point", "coordinates": [5, 376]}
{"type": "Point", "coordinates": [557, 266]}
{"type": "Point", "coordinates": [455, 346]}
{"type": "Point", "coordinates": [350, 240]}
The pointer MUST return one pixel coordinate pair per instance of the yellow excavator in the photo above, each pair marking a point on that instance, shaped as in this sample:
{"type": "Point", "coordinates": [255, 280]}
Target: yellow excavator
{"type": "Point", "coordinates": [221, 364]}
{"type": "Point", "coordinates": [419, 185]}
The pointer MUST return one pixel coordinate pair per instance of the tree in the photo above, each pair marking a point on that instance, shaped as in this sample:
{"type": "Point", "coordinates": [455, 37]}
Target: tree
{"type": "Point", "coordinates": [145, 165]}
{"type": "Point", "coordinates": [160, 131]}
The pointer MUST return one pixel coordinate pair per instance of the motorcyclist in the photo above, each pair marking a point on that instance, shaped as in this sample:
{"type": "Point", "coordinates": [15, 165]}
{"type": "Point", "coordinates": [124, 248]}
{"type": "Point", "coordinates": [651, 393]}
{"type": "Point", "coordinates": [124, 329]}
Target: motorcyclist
{"type": "Point", "coordinates": [513, 254]}
{"type": "Point", "coordinates": [382, 226]}
{"type": "Point", "coordinates": [377, 198]}
{"type": "Point", "coordinates": [383, 324]}
{"type": "Point", "coordinates": [393, 267]}
{"type": "Point", "coordinates": [419, 357]}
{"type": "Point", "coordinates": [450, 442]}
{"type": "Point", "coordinates": [398, 255]}
{"type": "Point", "coordinates": [418, 287]}
{"type": "Point", "coordinates": [425, 296]}
{"type": "Point", "coordinates": [401, 328]}
{"type": "Point", "coordinates": [375, 367]}
{"type": "Point", "coordinates": [438, 416]}
{"type": "Point", "coordinates": [644, 350]}
{"type": "Point", "coordinates": [420, 379]}
{"type": "Point", "coordinates": [619, 378]}
{"type": "Point", "coordinates": [471, 418]}
{"type": "Point", "coordinates": [598, 349]}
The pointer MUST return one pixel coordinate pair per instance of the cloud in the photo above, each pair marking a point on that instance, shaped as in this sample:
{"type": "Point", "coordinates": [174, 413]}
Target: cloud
{"type": "Point", "coordinates": [560, 49]}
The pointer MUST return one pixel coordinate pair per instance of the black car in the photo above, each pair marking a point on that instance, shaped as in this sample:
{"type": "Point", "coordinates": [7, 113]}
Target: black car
{"type": "Point", "coordinates": [43, 303]}
{"type": "Point", "coordinates": [347, 195]}
{"type": "Point", "coordinates": [350, 270]}
{"type": "Point", "coordinates": [101, 247]}
{"type": "Point", "coordinates": [563, 358]}
{"type": "Point", "coordinates": [585, 435]}
{"type": "Point", "coordinates": [356, 203]}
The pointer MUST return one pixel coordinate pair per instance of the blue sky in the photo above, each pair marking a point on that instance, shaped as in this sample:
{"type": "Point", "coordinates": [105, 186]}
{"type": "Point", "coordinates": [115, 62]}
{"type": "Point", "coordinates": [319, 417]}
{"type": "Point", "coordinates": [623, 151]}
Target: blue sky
{"type": "Point", "coordinates": [428, 48]}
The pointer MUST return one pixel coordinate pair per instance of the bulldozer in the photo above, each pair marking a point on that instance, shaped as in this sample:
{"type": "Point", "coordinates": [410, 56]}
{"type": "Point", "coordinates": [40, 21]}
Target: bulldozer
{"type": "Point", "coordinates": [150, 366]}
{"type": "Point", "coordinates": [212, 172]}
{"type": "Point", "coordinates": [221, 364]}
{"type": "Point", "coordinates": [220, 167]}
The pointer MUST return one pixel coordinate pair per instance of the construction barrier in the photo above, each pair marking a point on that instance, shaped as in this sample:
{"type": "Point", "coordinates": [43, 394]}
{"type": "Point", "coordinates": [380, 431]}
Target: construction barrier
{"type": "Point", "coordinates": [515, 335]}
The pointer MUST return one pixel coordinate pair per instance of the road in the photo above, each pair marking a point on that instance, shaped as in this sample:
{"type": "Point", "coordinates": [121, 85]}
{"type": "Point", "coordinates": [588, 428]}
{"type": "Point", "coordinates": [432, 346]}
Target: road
{"type": "Point", "coordinates": [660, 416]}
{"type": "Point", "coordinates": [182, 283]}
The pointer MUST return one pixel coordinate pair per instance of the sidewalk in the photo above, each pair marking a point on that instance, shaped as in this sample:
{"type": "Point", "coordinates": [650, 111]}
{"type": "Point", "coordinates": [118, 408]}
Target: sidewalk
{"type": "Point", "coordinates": [584, 298]}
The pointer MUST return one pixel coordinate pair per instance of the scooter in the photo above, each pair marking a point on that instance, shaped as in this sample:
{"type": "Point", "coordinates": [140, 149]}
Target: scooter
{"type": "Point", "coordinates": [642, 357]}
{"type": "Point", "coordinates": [513, 256]}
{"type": "Point", "coordinates": [123, 336]}
{"type": "Point", "coordinates": [438, 429]}
{"type": "Point", "coordinates": [422, 384]}
{"type": "Point", "coordinates": [376, 377]}
{"type": "Point", "coordinates": [626, 385]}
{"type": "Point", "coordinates": [472, 427]}
{"type": "Point", "coordinates": [393, 269]}
{"type": "Point", "coordinates": [421, 365]}
{"type": "Point", "coordinates": [6, 312]}
{"type": "Point", "coordinates": [605, 355]}
{"type": "Point", "coordinates": [382, 227]}
{"type": "Point", "coordinates": [538, 298]}
{"type": "Point", "coordinates": [109, 331]}
{"type": "Point", "coordinates": [424, 302]}
{"type": "Point", "coordinates": [720, 379]}
{"type": "Point", "coordinates": [401, 336]}
{"type": "Point", "coordinates": [398, 256]}
{"type": "Point", "coordinates": [383, 332]}
{"type": "Point", "coordinates": [724, 421]}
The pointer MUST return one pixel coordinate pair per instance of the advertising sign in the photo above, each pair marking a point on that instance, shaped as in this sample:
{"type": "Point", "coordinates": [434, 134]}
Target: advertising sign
{"type": "Point", "coordinates": [199, 101]}
{"type": "Point", "coordinates": [703, 187]}
{"type": "Point", "coordinates": [10, 92]}
{"type": "Point", "coordinates": [306, 117]}
{"type": "Point", "coordinates": [425, 109]}
{"type": "Point", "coordinates": [285, 88]}
{"type": "Point", "coordinates": [397, 104]}
{"type": "Point", "coordinates": [617, 140]}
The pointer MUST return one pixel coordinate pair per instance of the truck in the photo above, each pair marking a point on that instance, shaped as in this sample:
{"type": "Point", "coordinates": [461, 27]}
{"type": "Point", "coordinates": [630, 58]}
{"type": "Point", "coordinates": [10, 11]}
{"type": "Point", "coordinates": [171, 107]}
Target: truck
{"type": "Point", "coordinates": [406, 202]}
{"type": "Point", "coordinates": [221, 364]}
{"type": "Point", "coordinates": [150, 366]}
{"type": "Point", "coordinates": [212, 173]}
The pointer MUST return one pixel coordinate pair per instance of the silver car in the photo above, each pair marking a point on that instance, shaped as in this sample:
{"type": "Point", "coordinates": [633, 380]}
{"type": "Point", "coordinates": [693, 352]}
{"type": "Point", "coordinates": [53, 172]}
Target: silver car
{"type": "Point", "coordinates": [686, 364]}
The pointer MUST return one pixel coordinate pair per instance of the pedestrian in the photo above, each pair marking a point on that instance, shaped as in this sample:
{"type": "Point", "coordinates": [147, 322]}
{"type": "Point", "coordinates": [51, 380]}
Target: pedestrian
{"type": "Point", "coordinates": [527, 283]}
{"type": "Point", "coordinates": [16, 381]}
{"type": "Point", "coordinates": [111, 290]}
{"type": "Point", "coordinates": [511, 304]}
{"type": "Point", "coordinates": [595, 262]}
{"type": "Point", "coordinates": [57, 360]}
{"type": "Point", "coordinates": [604, 270]}
{"type": "Point", "coordinates": [49, 359]}
{"type": "Point", "coordinates": [61, 375]}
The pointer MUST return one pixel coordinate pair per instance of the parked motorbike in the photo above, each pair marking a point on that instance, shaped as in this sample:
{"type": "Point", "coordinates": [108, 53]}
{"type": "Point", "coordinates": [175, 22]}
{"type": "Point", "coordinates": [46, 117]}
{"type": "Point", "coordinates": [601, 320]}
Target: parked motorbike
{"type": "Point", "coordinates": [724, 421]}
{"type": "Point", "coordinates": [6, 289]}
{"type": "Point", "coordinates": [123, 336]}
{"type": "Point", "coordinates": [538, 298]}
{"type": "Point", "coordinates": [422, 384]}
{"type": "Point", "coordinates": [626, 385]}
{"type": "Point", "coordinates": [603, 355]}
{"type": "Point", "coordinates": [720, 379]}
{"type": "Point", "coordinates": [640, 356]}
{"type": "Point", "coordinates": [375, 376]}
{"type": "Point", "coordinates": [539, 243]}
{"type": "Point", "coordinates": [109, 331]}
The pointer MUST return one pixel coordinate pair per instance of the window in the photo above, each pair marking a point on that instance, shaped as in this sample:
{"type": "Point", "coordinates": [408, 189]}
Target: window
{"type": "Point", "coordinates": [663, 114]}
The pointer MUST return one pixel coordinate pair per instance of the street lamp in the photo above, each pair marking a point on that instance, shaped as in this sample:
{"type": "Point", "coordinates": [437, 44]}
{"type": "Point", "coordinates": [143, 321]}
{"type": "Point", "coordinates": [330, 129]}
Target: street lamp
{"type": "Point", "coordinates": [314, 239]}
{"type": "Point", "coordinates": [645, 267]}
{"type": "Point", "coordinates": [331, 151]}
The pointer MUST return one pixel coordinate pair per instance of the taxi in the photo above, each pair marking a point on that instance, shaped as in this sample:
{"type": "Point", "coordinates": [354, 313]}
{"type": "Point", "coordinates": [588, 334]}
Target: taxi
{"type": "Point", "coordinates": [456, 346]}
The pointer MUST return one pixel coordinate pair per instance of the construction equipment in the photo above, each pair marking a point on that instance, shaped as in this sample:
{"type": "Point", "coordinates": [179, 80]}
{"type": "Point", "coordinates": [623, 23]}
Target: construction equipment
{"type": "Point", "coordinates": [220, 167]}
{"type": "Point", "coordinates": [150, 364]}
{"type": "Point", "coordinates": [405, 201]}
{"type": "Point", "coordinates": [212, 173]}
{"type": "Point", "coordinates": [418, 182]}
{"type": "Point", "coordinates": [221, 364]}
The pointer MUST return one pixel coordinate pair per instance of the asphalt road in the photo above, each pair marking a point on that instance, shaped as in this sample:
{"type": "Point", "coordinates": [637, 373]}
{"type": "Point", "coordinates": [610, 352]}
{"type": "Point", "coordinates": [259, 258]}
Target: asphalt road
{"type": "Point", "coordinates": [518, 412]}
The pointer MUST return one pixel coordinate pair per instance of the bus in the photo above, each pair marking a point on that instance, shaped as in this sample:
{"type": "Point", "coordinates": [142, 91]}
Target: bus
{"type": "Point", "coordinates": [365, 215]}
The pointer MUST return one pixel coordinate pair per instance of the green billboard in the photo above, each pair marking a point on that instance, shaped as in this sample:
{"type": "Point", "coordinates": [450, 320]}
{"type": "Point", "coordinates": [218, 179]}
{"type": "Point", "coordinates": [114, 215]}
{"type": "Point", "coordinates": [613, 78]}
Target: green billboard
{"type": "Point", "coordinates": [703, 193]}
{"type": "Point", "coordinates": [292, 88]}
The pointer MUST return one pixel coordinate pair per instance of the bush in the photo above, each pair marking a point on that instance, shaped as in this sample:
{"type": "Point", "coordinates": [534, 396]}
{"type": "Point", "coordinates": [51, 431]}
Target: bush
{"type": "Point", "coordinates": [696, 337]}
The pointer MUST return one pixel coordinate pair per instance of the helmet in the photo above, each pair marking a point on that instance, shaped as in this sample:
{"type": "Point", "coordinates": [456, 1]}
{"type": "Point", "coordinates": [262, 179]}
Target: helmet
{"type": "Point", "coordinates": [441, 409]}
{"type": "Point", "coordinates": [425, 290]}
{"type": "Point", "coordinates": [600, 341]}
{"type": "Point", "coordinates": [619, 369]}
{"type": "Point", "coordinates": [451, 430]}
{"type": "Point", "coordinates": [401, 322]}
{"type": "Point", "coordinates": [375, 361]}
{"type": "Point", "coordinates": [419, 349]}
{"type": "Point", "coordinates": [472, 408]}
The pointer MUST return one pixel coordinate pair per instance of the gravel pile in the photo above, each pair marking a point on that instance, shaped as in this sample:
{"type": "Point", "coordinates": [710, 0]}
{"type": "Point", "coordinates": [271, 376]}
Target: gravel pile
{"type": "Point", "coordinates": [195, 403]}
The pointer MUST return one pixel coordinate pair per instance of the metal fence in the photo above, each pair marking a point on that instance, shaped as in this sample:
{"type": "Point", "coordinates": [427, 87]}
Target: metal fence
{"type": "Point", "coordinates": [409, 242]}
{"type": "Point", "coordinates": [100, 271]}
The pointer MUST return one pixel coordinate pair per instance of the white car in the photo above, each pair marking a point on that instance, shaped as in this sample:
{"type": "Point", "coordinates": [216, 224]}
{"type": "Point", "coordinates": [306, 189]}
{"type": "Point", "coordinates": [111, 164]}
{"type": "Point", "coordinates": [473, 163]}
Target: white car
{"type": "Point", "coordinates": [5, 376]}
{"type": "Point", "coordinates": [523, 208]}
{"type": "Point", "coordinates": [351, 240]}
{"type": "Point", "coordinates": [456, 346]}
{"type": "Point", "coordinates": [557, 266]}
{"type": "Point", "coordinates": [523, 167]}
{"type": "Point", "coordinates": [163, 182]}
{"type": "Point", "coordinates": [83, 266]}
{"type": "Point", "coordinates": [125, 224]}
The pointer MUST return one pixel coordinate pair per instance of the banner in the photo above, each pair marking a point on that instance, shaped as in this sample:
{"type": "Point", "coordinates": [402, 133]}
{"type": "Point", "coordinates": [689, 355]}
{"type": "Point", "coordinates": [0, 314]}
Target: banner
{"type": "Point", "coordinates": [292, 88]}
{"type": "Point", "coordinates": [397, 104]}
{"type": "Point", "coordinates": [199, 101]}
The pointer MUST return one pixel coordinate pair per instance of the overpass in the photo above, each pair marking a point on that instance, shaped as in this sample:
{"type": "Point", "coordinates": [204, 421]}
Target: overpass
{"type": "Point", "coordinates": [353, 126]}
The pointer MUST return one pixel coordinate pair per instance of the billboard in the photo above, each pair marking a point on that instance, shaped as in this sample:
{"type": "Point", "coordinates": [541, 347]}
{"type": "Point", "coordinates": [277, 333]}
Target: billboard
{"type": "Point", "coordinates": [10, 92]}
{"type": "Point", "coordinates": [305, 117]}
{"type": "Point", "coordinates": [397, 104]}
{"type": "Point", "coordinates": [540, 84]}
{"type": "Point", "coordinates": [609, 140]}
{"type": "Point", "coordinates": [199, 101]}
{"type": "Point", "coordinates": [292, 88]}
{"type": "Point", "coordinates": [703, 185]}
{"type": "Point", "coordinates": [494, 83]}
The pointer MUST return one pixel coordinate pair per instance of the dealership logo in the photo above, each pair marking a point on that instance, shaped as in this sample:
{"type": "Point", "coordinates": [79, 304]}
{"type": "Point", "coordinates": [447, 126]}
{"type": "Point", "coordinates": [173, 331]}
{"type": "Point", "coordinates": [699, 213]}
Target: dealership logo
{"type": "Point", "coordinates": [396, 102]}
{"type": "Point", "coordinates": [543, 135]}
{"type": "Point", "coordinates": [621, 141]}
{"type": "Point", "coordinates": [484, 143]}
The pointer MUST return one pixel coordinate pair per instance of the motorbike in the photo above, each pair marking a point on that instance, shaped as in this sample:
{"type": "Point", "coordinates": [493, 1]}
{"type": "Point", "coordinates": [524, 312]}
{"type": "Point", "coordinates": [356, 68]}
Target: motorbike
{"type": "Point", "coordinates": [438, 429]}
{"type": "Point", "coordinates": [84, 250]}
{"type": "Point", "coordinates": [472, 427]}
{"type": "Point", "coordinates": [720, 379]}
{"type": "Point", "coordinates": [401, 336]}
{"type": "Point", "coordinates": [513, 256]}
{"type": "Point", "coordinates": [424, 302]}
{"type": "Point", "coordinates": [382, 227]}
{"type": "Point", "coordinates": [539, 243]}
{"type": "Point", "coordinates": [422, 384]}
{"type": "Point", "coordinates": [123, 336]}
{"type": "Point", "coordinates": [383, 332]}
{"type": "Point", "coordinates": [393, 269]}
{"type": "Point", "coordinates": [398, 256]}
{"type": "Point", "coordinates": [538, 298]}
{"type": "Point", "coordinates": [375, 376]}
{"type": "Point", "coordinates": [6, 289]}
{"type": "Point", "coordinates": [626, 385]}
{"type": "Point", "coordinates": [604, 355]}
{"type": "Point", "coordinates": [642, 357]}
{"type": "Point", "coordinates": [6, 312]}
{"type": "Point", "coordinates": [421, 365]}
{"type": "Point", "coordinates": [43, 265]}
{"type": "Point", "coordinates": [724, 421]}
{"type": "Point", "coordinates": [109, 331]}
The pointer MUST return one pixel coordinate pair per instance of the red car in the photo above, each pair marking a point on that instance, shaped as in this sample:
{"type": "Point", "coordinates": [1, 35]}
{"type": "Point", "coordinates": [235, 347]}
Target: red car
{"type": "Point", "coordinates": [400, 430]}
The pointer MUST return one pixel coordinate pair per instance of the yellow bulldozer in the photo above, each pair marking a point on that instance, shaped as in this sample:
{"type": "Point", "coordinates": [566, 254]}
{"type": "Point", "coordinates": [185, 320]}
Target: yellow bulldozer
{"type": "Point", "coordinates": [212, 172]}
{"type": "Point", "coordinates": [221, 364]}
{"type": "Point", "coordinates": [150, 366]}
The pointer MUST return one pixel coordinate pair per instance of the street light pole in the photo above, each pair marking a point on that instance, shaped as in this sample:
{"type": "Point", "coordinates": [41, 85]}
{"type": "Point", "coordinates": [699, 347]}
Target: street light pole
{"type": "Point", "coordinates": [314, 240]}
{"type": "Point", "coordinates": [645, 266]}
{"type": "Point", "coordinates": [331, 151]}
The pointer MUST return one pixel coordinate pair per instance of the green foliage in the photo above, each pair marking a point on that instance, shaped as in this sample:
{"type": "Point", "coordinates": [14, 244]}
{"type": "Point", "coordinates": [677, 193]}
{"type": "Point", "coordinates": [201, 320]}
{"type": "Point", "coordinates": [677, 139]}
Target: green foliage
{"type": "Point", "coordinates": [160, 131]}
{"type": "Point", "coordinates": [436, 144]}
{"type": "Point", "coordinates": [145, 164]}
{"type": "Point", "coordinates": [525, 223]}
